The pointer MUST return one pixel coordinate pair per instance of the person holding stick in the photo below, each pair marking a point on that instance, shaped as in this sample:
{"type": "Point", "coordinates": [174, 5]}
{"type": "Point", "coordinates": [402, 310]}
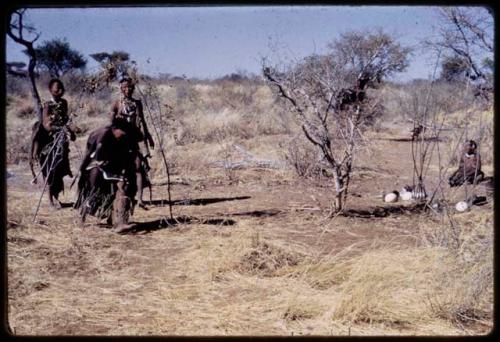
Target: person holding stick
{"type": "Point", "coordinates": [50, 142]}
{"type": "Point", "coordinates": [129, 110]}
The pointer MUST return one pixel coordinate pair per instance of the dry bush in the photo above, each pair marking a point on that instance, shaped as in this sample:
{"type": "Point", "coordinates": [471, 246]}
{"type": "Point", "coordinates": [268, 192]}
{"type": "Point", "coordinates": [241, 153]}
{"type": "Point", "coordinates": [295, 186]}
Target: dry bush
{"type": "Point", "coordinates": [234, 109]}
{"type": "Point", "coordinates": [464, 292]}
{"type": "Point", "coordinates": [473, 122]}
{"type": "Point", "coordinates": [183, 159]}
{"type": "Point", "coordinates": [19, 120]}
{"type": "Point", "coordinates": [23, 108]}
{"type": "Point", "coordinates": [91, 109]}
{"type": "Point", "coordinates": [20, 117]}
{"type": "Point", "coordinates": [209, 126]}
{"type": "Point", "coordinates": [187, 98]}
{"type": "Point", "coordinates": [486, 135]}
{"type": "Point", "coordinates": [266, 259]}
{"type": "Point", "coordinates": [301, 309]}
{"type": "Point", "coordinates": [405, 101]}
{"type": "Point", "coordinates": [18, 144]}
{"type": "Point", "coordinates": [16, 86]}
{"type": "Point", "coordinates": [302, 157]}
{"type": "Point", "coordinates": [235, 95]}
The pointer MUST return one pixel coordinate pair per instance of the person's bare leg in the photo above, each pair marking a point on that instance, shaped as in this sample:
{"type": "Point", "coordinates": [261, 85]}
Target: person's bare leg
{"type": "Point", "coordinates": [140, 183]}
{"type": "Point", "coordinates": [121, 207]}
{"type": "Point", "coordinates": [54, 201]}
{"type": "Point", "coordinates": [140, 190]}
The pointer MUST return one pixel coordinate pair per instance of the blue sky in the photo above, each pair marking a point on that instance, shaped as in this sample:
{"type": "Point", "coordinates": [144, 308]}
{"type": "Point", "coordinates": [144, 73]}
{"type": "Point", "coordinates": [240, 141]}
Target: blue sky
{"type": "Point", "coordinates": [208, 42]}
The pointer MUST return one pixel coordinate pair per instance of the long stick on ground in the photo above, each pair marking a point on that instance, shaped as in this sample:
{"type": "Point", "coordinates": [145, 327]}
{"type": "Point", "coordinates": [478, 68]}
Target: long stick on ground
{"type": "Point", "coordinates": [162, 150]}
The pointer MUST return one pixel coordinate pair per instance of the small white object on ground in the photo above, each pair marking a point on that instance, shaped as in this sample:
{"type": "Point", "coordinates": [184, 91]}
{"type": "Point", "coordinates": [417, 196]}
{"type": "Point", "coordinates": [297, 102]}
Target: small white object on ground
{"type": "Point", "coordinates": [461, 206]}
{"type": "Point", "coordinates": [406, 195]}
{"type": "Point", "coordinates": [391, 197]}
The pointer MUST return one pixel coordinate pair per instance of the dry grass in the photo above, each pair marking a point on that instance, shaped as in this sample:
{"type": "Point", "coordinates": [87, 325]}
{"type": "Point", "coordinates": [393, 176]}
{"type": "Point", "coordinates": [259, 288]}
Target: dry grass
{"type": "Point", "coordinates": [383, 287]}
{"type": "Point", "coordinates": [220, 280]}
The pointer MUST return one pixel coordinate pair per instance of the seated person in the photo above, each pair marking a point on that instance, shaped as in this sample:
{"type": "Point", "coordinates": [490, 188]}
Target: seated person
{"type": "Point", "coordinates": [469, 168]}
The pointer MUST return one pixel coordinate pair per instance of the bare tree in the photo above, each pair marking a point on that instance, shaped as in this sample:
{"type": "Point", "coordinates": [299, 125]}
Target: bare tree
{"type": "Point", "coordinates": [328, 95]}
{"type": "Point", "coordinates": [17, 31]}
{"type": "Point", "coordinates": [466, 34]}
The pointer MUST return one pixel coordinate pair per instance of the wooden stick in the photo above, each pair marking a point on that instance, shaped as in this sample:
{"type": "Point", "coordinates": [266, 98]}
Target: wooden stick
{"type": "Point", "coordinates": [162, 151]}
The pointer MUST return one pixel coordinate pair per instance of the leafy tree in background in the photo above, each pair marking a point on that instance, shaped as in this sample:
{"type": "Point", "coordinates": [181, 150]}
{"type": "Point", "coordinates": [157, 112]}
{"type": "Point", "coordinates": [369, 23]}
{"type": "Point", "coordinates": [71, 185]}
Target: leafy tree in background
{"type": "Point", "coordinates": [115, 64]}
{"type": "Point", "coordinates": [454, 68]}
{"type": "Point", "coordinates": [57, 57]}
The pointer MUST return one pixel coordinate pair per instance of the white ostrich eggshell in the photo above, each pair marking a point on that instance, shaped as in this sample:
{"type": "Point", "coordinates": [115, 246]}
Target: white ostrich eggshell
{"type": "Point", "coordinates": [462, 206]}
{"type": "Point", "coordinates": [390, 197]}
{"type": "Point", "coordinates": [406, 196]}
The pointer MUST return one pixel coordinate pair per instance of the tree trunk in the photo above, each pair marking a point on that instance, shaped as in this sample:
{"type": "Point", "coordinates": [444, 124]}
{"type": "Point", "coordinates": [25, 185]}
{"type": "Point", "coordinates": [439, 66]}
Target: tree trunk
{"type": "Point", "coordinates": [338, 203]}
{"type": "Point", "coordinates": [339, 190]}
{"type": "Point", "coordinates": [34, 91]}
{"type": "Point", "coordinates": [19, 28]}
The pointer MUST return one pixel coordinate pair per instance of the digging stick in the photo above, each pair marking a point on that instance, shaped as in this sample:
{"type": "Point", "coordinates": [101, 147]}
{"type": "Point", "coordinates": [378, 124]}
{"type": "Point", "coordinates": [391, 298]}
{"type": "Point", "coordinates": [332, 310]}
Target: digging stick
{"type": "Point", "coordinates": [162, 151]}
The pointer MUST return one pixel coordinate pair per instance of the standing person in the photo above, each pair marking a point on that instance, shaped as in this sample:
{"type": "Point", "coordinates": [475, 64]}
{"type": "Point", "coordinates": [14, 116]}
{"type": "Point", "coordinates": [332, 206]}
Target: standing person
{"type": "Point", "coordinates": [129, 110]}
{"type": "Point", "coordinates": [52, 146]}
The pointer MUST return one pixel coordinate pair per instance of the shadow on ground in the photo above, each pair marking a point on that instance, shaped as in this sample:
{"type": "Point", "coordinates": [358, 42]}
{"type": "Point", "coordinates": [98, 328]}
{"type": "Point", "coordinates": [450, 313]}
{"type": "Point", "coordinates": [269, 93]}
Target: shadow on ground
{"type": "Point", "coordinates": [197, 201]}
{"type": "Point", "coordinates": [165, 223]}
{"type": "Point", "coordinates": [384, 211]}
{"type": "Point", "coordinates": [258, 213]}
{"type": "Point", "coordinates": [410, 139]}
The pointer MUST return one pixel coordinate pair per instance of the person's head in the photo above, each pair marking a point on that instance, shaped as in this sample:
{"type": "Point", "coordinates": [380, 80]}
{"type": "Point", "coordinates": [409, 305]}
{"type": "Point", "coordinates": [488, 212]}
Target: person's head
{"type": "Point", "coordinates": [127, 86]}
{"type": "Point", "coordinates": [118, 129]}
{"type": "Point", "coordinates": [56, 88]}
{"type": "Point", "coordinates": [470, 147]}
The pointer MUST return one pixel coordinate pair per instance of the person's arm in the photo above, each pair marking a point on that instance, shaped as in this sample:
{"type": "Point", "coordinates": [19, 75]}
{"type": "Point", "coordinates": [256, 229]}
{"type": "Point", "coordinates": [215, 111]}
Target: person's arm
{"type": "Point", "coordinates": [101, 151]}
{"type": "Point", "coordinates": [114, 111]}
{"type": "Point", "coordinates": [46, 122]}
{"type": "Point", "coordinates": [461, 161]}
{"type": "Point", "coordinates": [69, 127]}
{"type": "Point", "coordinates": [147, 135]}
